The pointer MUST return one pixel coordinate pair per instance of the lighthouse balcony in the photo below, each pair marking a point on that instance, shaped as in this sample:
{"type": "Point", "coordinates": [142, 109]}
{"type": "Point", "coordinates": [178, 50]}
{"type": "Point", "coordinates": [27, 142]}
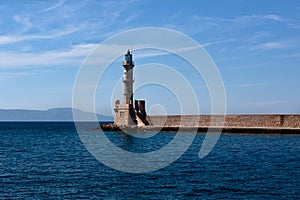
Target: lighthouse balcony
{"type": "Point", "coordinates": [126, 62]}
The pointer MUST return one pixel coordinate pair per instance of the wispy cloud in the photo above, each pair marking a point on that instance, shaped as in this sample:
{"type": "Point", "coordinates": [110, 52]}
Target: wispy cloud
{"type": "Point", "coordinates": [239, 19]}
{"type": "Point", "coordinates": [76, 54]}
{"type": "Point", "coordinates": [73, 56]}
{"type": "Point", "coordinates": [5, 76]}
{"type": "Point", "coordinates": [248, 18]}
{"type": "Point", "coordinates": [199, 23]}
{"type": "Point", "coordinates": [36, 24]}
{"type": "Point", "coordinates": [25, 20]}
{"type": "Point", "coordinates": [210, 19]}
{"type": "Point", "coordinates": [216, 42]}
{"type": "Point", "coordinates": [9, 39]}
{"type": "Point", "coordinates": [13, 38]}
{"type": "Point", "coordinates": [147, 53]}
{"type": "Point", "coordinates": [260, 35]}
{"type": "Point", "coordinates": [60, 3]}
{"type": "Point", "coordinates": [274, 17]}
{"type": "Point", "coordinates": [271, 45]}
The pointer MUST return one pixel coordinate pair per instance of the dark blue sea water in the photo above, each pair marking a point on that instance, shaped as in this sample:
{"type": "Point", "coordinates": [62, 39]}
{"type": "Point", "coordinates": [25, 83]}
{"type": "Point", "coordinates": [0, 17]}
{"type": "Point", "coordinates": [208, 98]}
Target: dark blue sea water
{"type": "Point", "coordinates": [48, 160]}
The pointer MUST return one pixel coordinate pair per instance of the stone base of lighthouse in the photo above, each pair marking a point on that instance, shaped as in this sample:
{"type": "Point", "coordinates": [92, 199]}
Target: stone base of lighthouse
{"type": "Point", "coordinates": [127, 115]}
{"type": "Point", "coordinates": [124, 115]}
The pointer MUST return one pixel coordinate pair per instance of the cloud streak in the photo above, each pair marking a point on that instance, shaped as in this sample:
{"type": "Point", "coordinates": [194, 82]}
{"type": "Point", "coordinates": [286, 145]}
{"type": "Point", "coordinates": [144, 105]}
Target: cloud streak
{"type": "Point", "coordinates": [5, 76]}
{"type": "Point", "coordinates": [26, 21]}
{"type": "Point", "coordinates": [216, 42]}
{"type": "Point", "coordinates": [240, 19]}
{"type": "Point", "coordinates": [70, 57]}
{"type": "Point", "coordinates": [8, 39]}
{"type": "Point", "coordinates": [271, 46]}
{"type": "Point", "coordinates": [60, 3]}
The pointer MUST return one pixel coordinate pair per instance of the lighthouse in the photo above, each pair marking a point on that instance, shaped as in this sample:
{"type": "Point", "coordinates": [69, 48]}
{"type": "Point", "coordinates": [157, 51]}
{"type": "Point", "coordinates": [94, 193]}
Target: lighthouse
{"type": "Point", "coordinates": [125, 114]}
{"type": "Point", "coordinates": [128, 78]}
{"type": "Point", "coordinates": [129, 113]}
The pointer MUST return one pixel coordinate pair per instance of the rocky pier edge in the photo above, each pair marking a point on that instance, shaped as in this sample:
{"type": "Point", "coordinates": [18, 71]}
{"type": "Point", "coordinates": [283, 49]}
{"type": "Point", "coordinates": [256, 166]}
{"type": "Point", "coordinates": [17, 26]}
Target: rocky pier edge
{"type": "Point", "coordinates": [202, 129]}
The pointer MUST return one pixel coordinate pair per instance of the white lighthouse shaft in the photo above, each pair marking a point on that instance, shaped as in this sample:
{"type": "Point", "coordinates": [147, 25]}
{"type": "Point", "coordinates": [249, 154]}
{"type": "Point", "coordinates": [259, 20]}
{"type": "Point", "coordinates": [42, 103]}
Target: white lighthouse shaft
{"type": "Point", "coordinates": [128, 78]}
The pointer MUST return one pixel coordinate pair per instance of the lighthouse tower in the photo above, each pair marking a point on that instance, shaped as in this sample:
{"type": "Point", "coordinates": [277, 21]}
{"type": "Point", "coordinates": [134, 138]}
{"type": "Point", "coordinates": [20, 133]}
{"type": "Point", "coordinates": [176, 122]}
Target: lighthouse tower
{"type": "Point", "coordinates": [125, 114]}
{"type": "Point", "coordinates": [129, 114]}
{"type": "Point", "coordinates": [128, 78]}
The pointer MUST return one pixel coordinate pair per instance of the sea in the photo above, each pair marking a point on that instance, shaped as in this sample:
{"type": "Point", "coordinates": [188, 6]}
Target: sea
{"type": "Point", "coordinates": [47, 160]}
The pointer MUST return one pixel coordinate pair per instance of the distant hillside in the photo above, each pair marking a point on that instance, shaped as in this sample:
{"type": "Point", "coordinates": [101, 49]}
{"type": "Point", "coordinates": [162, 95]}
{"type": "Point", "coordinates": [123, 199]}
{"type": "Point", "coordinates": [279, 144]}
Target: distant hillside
{"type": "Point", "coordinates": [55, 114]}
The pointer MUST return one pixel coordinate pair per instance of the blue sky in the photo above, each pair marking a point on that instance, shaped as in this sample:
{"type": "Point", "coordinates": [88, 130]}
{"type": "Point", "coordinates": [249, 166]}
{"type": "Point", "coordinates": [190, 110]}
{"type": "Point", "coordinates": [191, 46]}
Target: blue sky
{"type": "Point", "coordinates": [255, 45]}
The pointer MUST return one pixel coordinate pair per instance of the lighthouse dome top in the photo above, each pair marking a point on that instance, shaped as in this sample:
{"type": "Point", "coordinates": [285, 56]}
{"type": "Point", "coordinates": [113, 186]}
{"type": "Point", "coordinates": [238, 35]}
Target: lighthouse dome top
{"type": "Point", "coordinates": [128, 56]}
{"type": "Point", "coordinates": [128, 61]}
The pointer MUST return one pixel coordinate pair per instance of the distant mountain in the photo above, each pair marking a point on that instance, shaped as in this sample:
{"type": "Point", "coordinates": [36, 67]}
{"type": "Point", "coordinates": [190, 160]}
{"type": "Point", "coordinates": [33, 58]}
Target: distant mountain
{"type": "Point", "coordinates": [55, 114]}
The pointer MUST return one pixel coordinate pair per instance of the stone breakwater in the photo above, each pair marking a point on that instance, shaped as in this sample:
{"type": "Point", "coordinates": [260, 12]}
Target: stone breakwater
{"type": "Point", "coordinates": [247, 121]}
{"type": "Point", "coordinates": [285, 124]}
{"type": "Point", "coordinates": [272, 123]}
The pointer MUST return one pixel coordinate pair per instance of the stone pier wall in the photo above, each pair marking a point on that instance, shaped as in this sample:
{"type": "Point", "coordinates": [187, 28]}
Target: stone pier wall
{"type": "Point", "coordinates": [243, 121]}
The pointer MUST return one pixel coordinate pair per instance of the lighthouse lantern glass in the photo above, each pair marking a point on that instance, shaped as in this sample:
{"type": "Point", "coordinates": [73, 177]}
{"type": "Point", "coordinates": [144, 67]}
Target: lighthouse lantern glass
{"type": "Point", "coordinates": [128, 57]}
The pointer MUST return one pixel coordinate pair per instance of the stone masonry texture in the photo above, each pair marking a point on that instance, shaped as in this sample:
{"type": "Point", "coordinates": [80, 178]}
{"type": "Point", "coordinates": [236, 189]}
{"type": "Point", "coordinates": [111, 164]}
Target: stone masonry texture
{"type": "Point", "coordinates": [245, 121]}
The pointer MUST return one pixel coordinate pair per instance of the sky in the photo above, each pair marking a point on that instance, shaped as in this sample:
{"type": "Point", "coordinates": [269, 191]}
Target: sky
{"type": "Point", "coordinates": [254, 44]}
